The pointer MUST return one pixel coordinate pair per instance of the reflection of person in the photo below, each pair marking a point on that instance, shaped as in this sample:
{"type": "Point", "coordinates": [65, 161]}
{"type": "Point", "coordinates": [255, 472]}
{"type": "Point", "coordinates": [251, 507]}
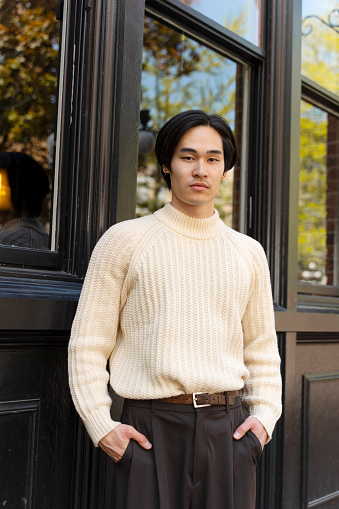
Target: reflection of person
{"type": "Point", "coordinates": [181, 306]}
{"type": "Point", "coordinates": [29, 185]}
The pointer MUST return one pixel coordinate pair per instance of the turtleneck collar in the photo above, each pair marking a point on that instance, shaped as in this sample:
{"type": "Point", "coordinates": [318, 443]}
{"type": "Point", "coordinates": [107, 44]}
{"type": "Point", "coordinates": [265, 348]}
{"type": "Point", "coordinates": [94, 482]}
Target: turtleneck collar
{"type": "Point", "coordinates": [192, 227]}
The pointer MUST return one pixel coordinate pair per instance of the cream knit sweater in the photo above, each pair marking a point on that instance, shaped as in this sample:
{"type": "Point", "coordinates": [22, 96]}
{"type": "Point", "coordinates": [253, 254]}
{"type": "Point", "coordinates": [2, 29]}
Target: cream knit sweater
{"type": "Point", "coordinates": [178, 305]}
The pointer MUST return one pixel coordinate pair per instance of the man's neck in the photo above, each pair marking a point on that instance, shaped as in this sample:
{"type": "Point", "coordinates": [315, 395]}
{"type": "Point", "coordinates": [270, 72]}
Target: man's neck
{"type": "Point", "coordinates": [196, 211]}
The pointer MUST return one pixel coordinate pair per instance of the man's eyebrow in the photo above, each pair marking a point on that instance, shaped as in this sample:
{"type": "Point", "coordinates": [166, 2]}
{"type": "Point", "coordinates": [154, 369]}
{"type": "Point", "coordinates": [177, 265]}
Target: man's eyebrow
{"type": "Point", "coordinates": [188, 149]}
{"type": "Point", "coordinates": [214, 152]}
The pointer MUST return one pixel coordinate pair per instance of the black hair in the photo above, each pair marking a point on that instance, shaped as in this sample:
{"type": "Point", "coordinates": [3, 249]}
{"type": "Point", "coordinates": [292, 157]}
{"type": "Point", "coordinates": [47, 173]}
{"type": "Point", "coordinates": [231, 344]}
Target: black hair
{"type": "Point", "coordinates": [28, 182]}
{"type": "Point", "coordinates": [170, 134]}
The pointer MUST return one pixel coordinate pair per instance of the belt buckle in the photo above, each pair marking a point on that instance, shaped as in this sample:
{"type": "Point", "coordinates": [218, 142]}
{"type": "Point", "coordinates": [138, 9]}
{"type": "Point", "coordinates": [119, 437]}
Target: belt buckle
{"type": "Point", "coordinates": [195, 404]}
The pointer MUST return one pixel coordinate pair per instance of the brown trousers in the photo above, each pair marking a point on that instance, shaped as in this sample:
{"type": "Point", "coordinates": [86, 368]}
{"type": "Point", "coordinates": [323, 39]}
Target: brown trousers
{"type": "Point", "coordinates": [194, 463]}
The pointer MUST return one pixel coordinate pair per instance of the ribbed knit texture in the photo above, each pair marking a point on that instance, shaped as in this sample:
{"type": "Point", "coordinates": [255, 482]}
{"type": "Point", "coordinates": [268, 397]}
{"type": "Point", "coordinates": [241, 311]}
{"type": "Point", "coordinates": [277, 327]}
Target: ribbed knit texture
{"type": "Point", "coordinates": [178, 305]}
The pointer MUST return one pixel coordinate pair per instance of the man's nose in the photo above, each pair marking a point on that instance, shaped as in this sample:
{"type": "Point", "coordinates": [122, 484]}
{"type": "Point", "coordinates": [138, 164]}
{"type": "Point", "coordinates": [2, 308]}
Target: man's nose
{"type": "Point", "coordinates": [200, 169]}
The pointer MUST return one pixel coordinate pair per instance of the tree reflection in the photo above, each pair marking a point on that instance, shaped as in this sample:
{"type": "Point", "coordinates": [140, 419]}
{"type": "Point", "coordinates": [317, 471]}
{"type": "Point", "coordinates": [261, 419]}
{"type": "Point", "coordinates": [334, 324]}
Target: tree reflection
{"type": "Point", "coordinates": [319, 149]}
{"type": "Point", "coordinates": [178, 73]}
{"type": "Point", "coordinates": [318, 195]}
{"type": "Point", "coordinates": [29, 35]}
{"type": "Point", "coordinates": [29, 47]}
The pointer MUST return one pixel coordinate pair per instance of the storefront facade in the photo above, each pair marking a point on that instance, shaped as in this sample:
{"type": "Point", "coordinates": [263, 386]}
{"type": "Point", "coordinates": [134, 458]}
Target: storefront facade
{"type": "Point", "coordinates": [84, 95]}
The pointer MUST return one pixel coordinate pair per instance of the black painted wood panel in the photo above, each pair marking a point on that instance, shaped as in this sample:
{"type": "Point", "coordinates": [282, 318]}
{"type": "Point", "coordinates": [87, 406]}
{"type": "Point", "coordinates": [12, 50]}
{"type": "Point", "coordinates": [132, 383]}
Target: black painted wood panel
{"type": "Point", "coordinates": [18, 453]}
{"type": "Point", "coordinates": [320, 459]}
{"type": "Point", "coordinates": [311, 424]}
{"type": "Point", "coordinates": [37, 421]}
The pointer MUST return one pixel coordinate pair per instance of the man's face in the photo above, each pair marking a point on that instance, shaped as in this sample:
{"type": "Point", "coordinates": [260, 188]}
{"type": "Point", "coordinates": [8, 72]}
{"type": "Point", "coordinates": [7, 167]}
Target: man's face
{"type": "Point", "coordinates": [197, 169]}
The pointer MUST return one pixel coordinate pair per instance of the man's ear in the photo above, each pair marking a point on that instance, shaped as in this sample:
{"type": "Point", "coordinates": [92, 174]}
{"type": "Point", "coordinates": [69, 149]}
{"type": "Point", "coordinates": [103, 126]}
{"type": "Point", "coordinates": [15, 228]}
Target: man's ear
{"type": "Point", "coordinates": [165, 169]}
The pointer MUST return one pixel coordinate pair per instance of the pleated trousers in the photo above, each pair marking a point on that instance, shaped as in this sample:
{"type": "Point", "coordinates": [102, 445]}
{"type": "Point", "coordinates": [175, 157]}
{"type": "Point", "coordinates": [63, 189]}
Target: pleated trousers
{"type": "Point", "coordinates": [195, 463]}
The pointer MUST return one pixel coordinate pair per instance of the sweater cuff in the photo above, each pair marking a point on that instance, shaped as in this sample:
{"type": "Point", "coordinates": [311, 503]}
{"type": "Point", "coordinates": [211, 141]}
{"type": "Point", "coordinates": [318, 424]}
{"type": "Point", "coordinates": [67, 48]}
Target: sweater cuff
{"type": "Point", "coordinates": [99, 423]}
{"type": "Point", "coordinates": [267, 417]}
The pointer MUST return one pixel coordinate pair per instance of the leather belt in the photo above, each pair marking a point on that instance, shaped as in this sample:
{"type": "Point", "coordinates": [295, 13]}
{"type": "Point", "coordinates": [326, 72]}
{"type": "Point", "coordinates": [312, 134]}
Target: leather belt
{"type": "Point", "coordinates": [201, 399]}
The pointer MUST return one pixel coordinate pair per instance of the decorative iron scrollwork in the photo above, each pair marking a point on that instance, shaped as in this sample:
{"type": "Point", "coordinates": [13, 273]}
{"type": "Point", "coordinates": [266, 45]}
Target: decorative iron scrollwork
{"type": "Point", "coordinates": [332, 22]}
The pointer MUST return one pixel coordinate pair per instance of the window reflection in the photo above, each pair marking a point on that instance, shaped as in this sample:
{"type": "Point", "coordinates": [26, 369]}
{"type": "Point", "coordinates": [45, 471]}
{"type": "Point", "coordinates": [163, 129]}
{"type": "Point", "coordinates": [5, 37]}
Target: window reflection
{"type": "Point", "coordinates": [24, 185]}
{"type": "Point", "coordinates": [29, 47]}
{"type": "Point", "coordinates": [318, 196]}
{"type": "Point", "coordinates": [242, 17]}
{"type": "Point", "coordinates": [320, 43]}
{"type": "Point", "coordinates": [179, 74]}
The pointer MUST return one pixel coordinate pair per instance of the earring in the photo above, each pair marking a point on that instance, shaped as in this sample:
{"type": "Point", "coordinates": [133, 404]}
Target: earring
{"type": "Point", "coordinates": [223, 179]}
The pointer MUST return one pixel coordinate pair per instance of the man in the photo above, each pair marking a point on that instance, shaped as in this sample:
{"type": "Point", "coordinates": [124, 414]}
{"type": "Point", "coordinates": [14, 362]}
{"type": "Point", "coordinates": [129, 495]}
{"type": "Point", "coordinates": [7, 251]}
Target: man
{"type": "Point", "coordinates": [180, 304]}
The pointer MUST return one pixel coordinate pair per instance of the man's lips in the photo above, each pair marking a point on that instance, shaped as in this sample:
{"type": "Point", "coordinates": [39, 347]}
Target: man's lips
{"type": "Point", "coordinates": [197, 185]}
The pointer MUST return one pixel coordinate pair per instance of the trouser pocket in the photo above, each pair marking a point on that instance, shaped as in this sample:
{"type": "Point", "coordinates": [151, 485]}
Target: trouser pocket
{"type": "Point", "coordinates": [127, 456]}
{"type": "Point", "coordinates": [255, 445]}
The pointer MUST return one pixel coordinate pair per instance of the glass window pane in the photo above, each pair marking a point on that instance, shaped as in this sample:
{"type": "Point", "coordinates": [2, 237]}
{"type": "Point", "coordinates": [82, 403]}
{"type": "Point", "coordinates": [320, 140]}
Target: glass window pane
{"type": "Point", "coordinates": [320, 42]}
{"type": "Point", "coordinates": [29, 51]}
{"type": "Point", "coordinates": [242, 17]}
{"type": "Point", "coordinates": [318, 196]}
{"type": "Point", "coordinates": [179, 74]}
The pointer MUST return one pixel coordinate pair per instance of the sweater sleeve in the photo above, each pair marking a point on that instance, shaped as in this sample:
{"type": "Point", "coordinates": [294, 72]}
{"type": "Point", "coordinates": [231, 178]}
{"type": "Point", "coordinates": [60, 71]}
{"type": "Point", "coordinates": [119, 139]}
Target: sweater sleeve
{"type": "Point", "coordinates": [94, 331]}
{"type": "Point", "coordinates": [262, 391]}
